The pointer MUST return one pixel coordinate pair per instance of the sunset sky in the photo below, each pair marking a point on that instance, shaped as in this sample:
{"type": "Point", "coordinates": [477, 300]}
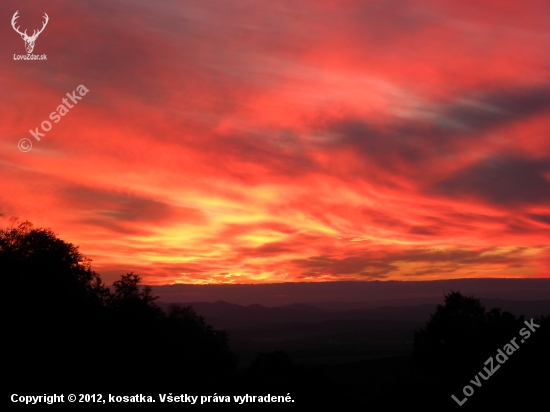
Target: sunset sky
{"type": "Point", "coordinates": [255, 141]}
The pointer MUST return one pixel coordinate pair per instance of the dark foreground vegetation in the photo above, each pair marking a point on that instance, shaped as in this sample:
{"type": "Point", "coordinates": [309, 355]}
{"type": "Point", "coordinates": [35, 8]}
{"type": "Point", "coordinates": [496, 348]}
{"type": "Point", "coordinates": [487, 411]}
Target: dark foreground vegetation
{"type": "Point", "coordinates": [66, 332]}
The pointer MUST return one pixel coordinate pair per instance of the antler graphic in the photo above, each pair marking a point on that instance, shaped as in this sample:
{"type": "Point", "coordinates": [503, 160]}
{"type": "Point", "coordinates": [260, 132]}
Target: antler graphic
{"type": "Point", "coordinates": [29, 40]}
{"type": "Point", "coordinates": [37, 32]}
{"type": "Point", "coordinates": [15, 17]}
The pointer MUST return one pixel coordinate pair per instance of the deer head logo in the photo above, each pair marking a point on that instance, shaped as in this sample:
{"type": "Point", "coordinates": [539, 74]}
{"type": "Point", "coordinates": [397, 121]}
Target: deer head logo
{"type": "Point", "coordinates": [29, 40]}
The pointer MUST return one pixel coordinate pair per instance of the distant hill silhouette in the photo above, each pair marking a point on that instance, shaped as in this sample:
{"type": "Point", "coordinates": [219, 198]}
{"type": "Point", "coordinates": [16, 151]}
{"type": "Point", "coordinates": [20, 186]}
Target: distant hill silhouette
{"type": "Point", "coordinates": [229, 315]}
{"type": "Point", "coordinates": [354, 293]}
{"type": "Point", "coordinates": [65, 331]}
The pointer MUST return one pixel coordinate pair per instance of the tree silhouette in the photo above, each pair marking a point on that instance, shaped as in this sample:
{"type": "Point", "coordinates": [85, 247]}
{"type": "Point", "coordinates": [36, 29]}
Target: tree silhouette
{"type": "Point", "coordinates": [127, 288]}
{"type": "Point", "coordinates": [54, 302]}
{"type": "Point", "coordinates": [61, 317]}
{"type": "Point", "coordinates": [460, 335]}
{"type": "Point", "coordinates": [35, 259]}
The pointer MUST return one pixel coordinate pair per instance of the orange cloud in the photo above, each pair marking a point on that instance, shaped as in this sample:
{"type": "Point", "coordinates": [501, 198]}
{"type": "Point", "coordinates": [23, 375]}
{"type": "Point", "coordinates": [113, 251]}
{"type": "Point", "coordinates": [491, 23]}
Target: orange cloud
{"type": "Point", "coordinates": [256, 142]}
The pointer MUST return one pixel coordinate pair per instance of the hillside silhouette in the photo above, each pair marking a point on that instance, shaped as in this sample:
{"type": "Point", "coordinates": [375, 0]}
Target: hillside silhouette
{"type": "Point", "coordinates": [66, 331]}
